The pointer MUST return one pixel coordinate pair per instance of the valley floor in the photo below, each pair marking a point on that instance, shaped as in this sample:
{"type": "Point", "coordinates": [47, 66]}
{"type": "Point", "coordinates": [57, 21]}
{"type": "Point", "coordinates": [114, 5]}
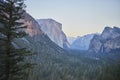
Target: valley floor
{"type": "Point", "coordinates": [76, 65]}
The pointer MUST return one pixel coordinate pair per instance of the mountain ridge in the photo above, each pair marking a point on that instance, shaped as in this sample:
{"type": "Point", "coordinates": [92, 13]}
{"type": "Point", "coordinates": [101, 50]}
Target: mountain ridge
{"type": "Point", "coordinates": [82, 42]}
{"type": "Point", "coordinates": [108, 40]}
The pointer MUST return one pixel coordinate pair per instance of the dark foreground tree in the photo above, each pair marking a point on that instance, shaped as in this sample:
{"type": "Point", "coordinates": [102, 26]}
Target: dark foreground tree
{"type": "Point", "coordinates": [13, 64]}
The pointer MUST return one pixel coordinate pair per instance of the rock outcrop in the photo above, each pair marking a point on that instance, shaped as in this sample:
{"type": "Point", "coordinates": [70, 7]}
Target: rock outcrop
{"type": "Point", "coordinates": [108, 41]}
{"type": "Point", "coordinates": [37, 41]}
{"type": "Point", "coordinates": [54, 31]}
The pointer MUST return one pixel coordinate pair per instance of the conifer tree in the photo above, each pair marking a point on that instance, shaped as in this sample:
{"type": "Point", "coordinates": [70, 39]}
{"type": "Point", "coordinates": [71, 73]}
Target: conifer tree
{"type": "Point", "coordinates": [13, 64]}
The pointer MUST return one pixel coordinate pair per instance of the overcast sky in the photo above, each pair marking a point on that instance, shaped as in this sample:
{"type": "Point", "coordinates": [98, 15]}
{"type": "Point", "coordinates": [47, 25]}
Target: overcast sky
{"type": "Point", "coordinates": [78, 17]}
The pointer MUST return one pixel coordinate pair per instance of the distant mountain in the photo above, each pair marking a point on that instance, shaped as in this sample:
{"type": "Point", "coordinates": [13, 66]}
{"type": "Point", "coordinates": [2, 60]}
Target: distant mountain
{"type": "Point", "coordinates": [108, 41]}
{"type": "Point", "coordinates": [54, 31]}
{"type": "Point", "coordinates": [71, 39]}
{"type": "Point", "coordinates": [82, 43]}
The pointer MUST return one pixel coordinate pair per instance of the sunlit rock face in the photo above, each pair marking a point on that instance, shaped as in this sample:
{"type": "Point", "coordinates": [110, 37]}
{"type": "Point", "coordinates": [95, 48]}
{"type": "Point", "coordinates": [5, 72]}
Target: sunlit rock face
{"type": "Point", "coordinates": [33, 28]}
{"type": "Point", "coordinates": [36, 40]}
{"type": "Point", "coordinates": [54, 31]}
{"type": "Point", "coordinates": [108, 41]}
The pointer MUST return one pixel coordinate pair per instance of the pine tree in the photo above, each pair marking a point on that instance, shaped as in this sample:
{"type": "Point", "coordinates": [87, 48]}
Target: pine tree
{"type": "Point", "coordinates": [13, 64]}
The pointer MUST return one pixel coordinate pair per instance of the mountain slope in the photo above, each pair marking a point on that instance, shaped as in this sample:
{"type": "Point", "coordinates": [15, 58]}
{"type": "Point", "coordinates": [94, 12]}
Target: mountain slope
{"type": "Point", "coordinates": [54, 31]}
{"type": "Point", "coordinates": [37, 41]}
{"type": "Point", "coordinates": [82, 43]}
{"type": "Point", "coordinates": [106, 42]}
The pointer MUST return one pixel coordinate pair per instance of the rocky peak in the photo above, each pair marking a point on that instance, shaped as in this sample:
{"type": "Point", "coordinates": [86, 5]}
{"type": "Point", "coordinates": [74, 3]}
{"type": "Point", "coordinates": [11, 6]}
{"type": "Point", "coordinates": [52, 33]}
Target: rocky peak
{"type": "Point", "coordinates": [110, 33]}
{"type": "Point", "coordinates": [54, 31]}
{"type": "Point", "coordinates": [107, 41]}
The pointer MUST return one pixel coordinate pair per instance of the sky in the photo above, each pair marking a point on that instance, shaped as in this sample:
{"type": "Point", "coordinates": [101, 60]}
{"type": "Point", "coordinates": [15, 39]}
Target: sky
{"type": "Point", "coordinates": [78, 17]}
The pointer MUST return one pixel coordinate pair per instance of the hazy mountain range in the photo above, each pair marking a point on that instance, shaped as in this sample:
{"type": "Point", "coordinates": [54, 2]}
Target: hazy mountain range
{"type": "Point", "coordinates": [82, 43]}
{"type": "Point", "coordinates": [58, 57]}
{"type": "Point", "coordinates": [47, 32]}
{"type": "Point", "coordinates": [53, 30]}
{"type": "Point", "coordinates": [53, 62]}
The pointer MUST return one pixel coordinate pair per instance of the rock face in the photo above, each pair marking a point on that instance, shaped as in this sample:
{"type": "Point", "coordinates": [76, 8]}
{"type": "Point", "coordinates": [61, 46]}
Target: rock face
{"type": "Point", "coordinates": [37, 41]}
{"type": "Point", "coordinates": [33, 27]}
{"type": "Point", "coordinates": [108, 41]}
{"type": "Point", "coordinates": [82, 43]}
{"type": "Point", "coordinates": [54, 31]}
